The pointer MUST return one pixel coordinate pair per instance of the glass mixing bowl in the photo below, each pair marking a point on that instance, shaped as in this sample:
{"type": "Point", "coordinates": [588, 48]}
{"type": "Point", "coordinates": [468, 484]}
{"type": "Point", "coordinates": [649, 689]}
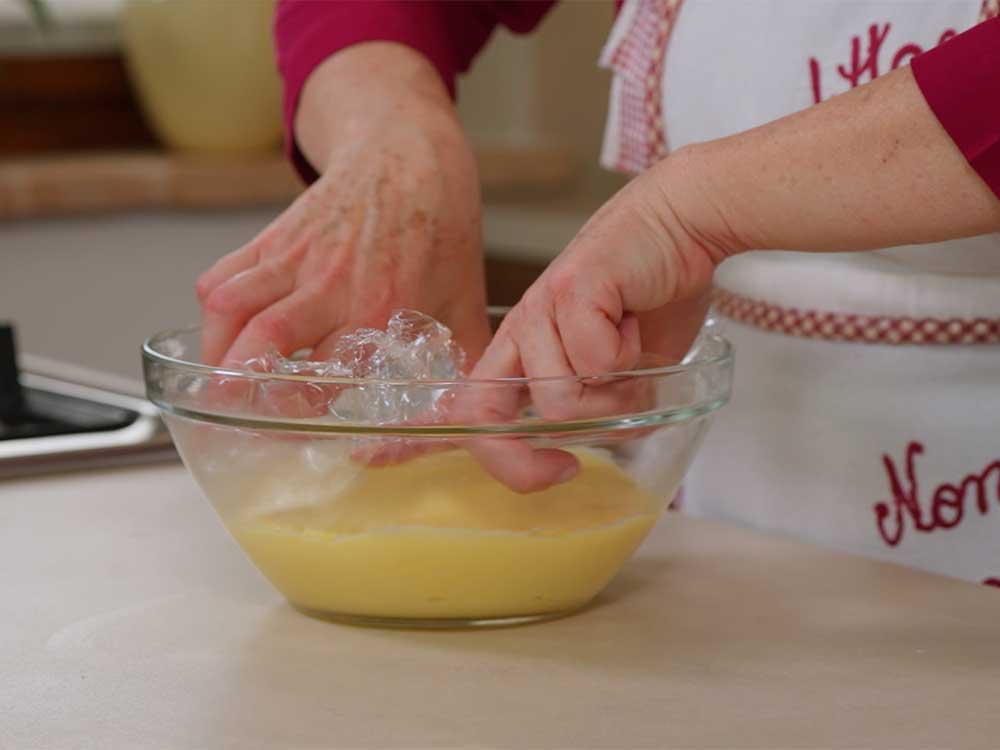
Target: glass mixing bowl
{"type": "Point", "coordinates": [357, 516]}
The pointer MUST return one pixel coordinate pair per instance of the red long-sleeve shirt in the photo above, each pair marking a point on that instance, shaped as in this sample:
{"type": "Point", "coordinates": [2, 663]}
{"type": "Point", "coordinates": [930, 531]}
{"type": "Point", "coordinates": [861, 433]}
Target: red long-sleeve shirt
{"type": "Point", "coordinates": [960, 79]}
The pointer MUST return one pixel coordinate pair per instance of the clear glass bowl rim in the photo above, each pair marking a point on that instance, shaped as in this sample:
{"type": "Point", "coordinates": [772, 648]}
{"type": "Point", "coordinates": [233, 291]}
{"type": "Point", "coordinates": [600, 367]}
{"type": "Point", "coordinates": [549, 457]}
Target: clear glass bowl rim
{"type": "Point", "coordinates": [719, 360]}
{"type": "Point", "coordinates": [153, 355]}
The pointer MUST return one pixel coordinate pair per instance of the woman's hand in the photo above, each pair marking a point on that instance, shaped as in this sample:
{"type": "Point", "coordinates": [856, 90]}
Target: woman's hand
{"type": "Point", "coordinates": [393, 221]}
{"type": "Point", "coordinates": [635, 280]}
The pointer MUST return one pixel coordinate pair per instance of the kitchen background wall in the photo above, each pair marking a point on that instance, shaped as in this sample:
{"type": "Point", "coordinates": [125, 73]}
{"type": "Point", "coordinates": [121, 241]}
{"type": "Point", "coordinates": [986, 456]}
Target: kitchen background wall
{"type": "Point", "coordinates": [546, 87]}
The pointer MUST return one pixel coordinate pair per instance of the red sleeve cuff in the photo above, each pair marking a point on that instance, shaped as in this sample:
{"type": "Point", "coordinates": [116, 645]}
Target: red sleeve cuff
{"type": "Point", "coordinates": [448, 34]}
{"type": "Point", "coordinates": [307, 32]}
{"type": "Point", "coordinates": [960, 80]}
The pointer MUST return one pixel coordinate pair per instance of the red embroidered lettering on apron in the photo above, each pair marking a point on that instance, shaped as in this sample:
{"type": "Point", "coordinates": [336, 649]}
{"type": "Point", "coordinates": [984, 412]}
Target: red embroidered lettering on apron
{"type": "Point", "coordinates": [948, 501]}
{"type": "Point", "coordinates": [860, 71]}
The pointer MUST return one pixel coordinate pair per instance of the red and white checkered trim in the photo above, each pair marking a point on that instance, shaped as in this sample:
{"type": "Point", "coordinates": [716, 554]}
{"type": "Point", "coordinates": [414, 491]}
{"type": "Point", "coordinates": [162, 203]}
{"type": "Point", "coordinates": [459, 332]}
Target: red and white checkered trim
{"type": "Point", "coordinates": [638, 61]}
{"type": "Point", "coordinates": [866, 329]}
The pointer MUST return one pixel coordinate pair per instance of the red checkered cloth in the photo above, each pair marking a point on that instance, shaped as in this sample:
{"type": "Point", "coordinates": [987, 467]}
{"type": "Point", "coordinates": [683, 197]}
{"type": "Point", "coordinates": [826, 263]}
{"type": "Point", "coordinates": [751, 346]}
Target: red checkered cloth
{"type": "Point", "coordinates": [867, 329]}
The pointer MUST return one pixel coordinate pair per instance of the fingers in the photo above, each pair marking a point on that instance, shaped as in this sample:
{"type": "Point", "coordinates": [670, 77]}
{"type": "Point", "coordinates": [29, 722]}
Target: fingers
{"type": "Point", "coordinates": [598, 334]}
{"type": "Point", "coordinates": [521, 467]}
{"type": "Point", "coordinates": [543, 356]}
{"type": "Point", "coordinates": [492, 403]}
{"type": "Point", "coordinates": [512, 461]}
{"type": "Point", "coordinates": [577, 339]}
{"type": "Point", "coordinates": [391, 451]}
{"type": "Point", "coordinates": [226, 310]}
{"type": "Point", "coordinates": [566, 340]}
{"type": "Point", "coordinates": [225, 268]}
{"type": "Point", "coordinates": [595, 344]}
{"type": "Point", "coordinates": [295, 322]}
{"type": "Point", "coordinates": [516, 464]}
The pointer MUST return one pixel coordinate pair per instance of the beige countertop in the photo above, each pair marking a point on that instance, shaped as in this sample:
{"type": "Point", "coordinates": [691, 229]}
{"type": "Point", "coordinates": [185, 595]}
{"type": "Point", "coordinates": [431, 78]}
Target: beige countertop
{"type": "Point", "coordinates": [129, 620]}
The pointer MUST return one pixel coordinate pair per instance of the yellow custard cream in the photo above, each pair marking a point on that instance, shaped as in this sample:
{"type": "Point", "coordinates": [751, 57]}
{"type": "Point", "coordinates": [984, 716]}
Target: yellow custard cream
{"type": "Point", "coordinates": [437, 537]}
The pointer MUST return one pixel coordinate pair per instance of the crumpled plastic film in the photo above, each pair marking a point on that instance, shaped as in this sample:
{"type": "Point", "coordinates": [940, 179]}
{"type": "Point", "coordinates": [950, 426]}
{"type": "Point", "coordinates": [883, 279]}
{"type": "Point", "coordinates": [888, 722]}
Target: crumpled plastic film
{"type": "Point", "coordinates": [413, 347]}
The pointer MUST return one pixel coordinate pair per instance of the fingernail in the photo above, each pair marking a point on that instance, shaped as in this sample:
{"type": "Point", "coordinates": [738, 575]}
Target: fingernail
{"type": "Point", "coordinates": [568, 473]}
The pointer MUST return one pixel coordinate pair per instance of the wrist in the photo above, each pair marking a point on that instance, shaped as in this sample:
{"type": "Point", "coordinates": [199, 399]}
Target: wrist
{"type": "Point", "coordinates": [367, 91]}
{"type": "Point", "coordinates": [699, 185]}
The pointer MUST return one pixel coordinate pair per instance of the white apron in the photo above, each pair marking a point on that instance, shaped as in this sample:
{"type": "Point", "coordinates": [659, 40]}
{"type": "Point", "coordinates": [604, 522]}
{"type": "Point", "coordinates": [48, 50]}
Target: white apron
{"type": "Point", "coordinates": [866, 409]}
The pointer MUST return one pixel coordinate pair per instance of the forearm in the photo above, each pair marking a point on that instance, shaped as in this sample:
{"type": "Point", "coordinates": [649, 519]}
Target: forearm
{"type": "Point", "coordinates": [871, 168]}
{"type": "Point", "coordinates": [366, 87]}
{"type": "Point", "coordinates": [443, 36]}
